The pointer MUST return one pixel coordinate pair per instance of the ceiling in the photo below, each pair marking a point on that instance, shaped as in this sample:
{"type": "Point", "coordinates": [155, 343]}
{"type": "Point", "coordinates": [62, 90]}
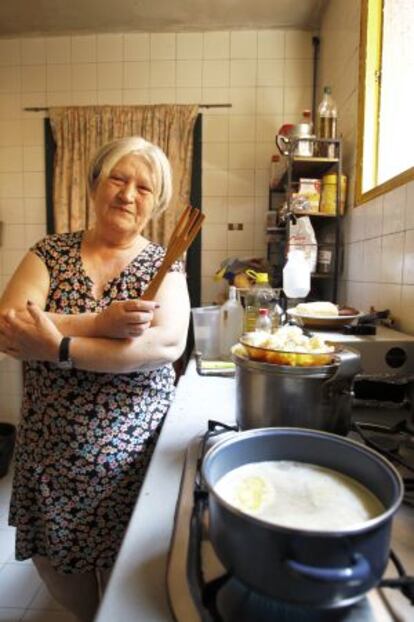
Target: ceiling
{"type": "Point", "coordinates": [47, 17]}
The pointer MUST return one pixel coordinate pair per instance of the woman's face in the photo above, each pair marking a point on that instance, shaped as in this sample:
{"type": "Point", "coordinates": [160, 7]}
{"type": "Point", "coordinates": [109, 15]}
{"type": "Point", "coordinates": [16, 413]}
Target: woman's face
{"type": "Point", "coordinates": [125, 199]}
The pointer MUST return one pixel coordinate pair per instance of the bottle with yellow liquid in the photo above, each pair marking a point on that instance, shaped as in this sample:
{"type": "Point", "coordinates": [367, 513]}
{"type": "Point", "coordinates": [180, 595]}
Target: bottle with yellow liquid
{"type": "Point", "coordinates": [260, 296]}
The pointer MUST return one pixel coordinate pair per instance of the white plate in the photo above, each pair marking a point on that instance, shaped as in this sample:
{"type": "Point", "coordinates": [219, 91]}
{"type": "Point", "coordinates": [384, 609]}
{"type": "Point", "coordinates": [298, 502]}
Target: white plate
{"type": "Point", "coordinates": [323, 321]}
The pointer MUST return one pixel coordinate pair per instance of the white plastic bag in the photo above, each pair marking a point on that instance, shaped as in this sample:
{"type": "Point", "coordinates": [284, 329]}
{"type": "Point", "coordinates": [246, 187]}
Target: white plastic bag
{"type": "Point", "coordinates": [302, 237]}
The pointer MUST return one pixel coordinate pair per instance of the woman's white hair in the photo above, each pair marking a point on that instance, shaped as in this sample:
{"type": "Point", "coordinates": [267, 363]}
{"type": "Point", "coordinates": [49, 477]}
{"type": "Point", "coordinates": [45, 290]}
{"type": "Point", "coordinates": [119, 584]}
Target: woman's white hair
{"type": "Point", "coordinates": [109, 155]}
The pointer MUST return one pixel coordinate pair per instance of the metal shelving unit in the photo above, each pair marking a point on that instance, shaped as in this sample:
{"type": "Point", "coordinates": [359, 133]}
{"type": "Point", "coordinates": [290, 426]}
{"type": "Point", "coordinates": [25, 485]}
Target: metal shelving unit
{"type": "Point", "coordinates": [328, 229]}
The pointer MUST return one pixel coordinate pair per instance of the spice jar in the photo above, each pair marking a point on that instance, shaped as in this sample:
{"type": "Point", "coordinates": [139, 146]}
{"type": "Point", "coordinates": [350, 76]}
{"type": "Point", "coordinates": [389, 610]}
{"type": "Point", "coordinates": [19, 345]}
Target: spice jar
{"type": "Point", "coordinates": [325, 259]}
{"type": "Point", "coordinates": [328, 194]}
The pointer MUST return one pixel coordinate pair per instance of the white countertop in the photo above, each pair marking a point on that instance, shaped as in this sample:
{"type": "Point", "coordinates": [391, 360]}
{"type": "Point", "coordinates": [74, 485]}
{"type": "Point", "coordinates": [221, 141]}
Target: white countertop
{"type": "Point", "coordinates": [137, 588]}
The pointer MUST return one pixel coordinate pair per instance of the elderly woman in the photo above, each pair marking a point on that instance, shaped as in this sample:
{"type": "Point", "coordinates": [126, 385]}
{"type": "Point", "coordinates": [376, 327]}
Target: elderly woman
{"type": "Point", "coordinates": [98, 379]}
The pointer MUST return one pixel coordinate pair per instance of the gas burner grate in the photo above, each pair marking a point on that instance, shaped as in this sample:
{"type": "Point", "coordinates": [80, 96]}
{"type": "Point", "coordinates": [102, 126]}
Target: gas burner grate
{"type": "Point", "coordinates": [394, 442]}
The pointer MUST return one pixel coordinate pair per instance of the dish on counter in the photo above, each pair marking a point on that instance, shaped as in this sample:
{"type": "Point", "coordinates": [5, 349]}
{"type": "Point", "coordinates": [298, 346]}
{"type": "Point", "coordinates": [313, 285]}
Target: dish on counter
{"type": "Point", "coordinates": [324, 314]}
{"type": "Point", "coordinates": [288, 346]}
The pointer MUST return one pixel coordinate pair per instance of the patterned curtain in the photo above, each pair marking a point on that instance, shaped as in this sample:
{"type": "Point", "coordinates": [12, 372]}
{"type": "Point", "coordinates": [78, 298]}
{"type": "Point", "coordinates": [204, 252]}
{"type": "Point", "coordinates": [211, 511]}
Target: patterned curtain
{"type": "Point", "coordinates": [79, 131]}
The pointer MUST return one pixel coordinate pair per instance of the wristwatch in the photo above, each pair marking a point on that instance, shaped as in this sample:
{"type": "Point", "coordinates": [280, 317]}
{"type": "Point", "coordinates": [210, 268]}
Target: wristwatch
{"type": "Point", "coordinates": [65, 362]}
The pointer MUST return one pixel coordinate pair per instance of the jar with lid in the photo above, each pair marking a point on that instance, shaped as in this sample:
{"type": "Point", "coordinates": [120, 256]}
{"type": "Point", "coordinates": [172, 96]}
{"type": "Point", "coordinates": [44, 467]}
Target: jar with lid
{"type": "Point", "coordinates": [259, 296]}
{"type": "Point", "coordinates": [325, 259]}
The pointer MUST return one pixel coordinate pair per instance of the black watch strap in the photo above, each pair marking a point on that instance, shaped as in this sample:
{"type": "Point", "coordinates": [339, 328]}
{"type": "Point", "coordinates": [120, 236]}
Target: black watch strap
{"type": "Point", "coordinates": [65, 362]}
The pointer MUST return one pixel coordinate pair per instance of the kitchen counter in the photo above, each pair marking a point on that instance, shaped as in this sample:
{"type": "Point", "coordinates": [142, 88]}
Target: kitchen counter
{"type": "Point", "coordinates": [136, 590]}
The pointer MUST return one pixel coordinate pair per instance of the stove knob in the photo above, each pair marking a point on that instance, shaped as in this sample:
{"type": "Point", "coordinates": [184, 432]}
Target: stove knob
{"type": "Point", "coordinates": [396, 357]}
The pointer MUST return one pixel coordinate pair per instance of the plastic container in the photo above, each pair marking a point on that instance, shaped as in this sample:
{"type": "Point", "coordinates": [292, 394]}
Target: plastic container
{"type": "Point", "coordinates": [296, 275]}
{"type": "Point", "coordinates": [260, 296]}
{"type": "Point", "coordinates": [327, 122]}
{"type": "Point", "coordinates": [231, 323]}
{"type": "Point", "coordinates": [328, 194]}
{"type": "Point", "coordinates": [206, 323]}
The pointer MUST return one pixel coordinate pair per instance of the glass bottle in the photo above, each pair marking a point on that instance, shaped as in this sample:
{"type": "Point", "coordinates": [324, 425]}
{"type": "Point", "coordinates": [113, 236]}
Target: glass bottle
{"type": "Point", "coordinates": [327, 122]}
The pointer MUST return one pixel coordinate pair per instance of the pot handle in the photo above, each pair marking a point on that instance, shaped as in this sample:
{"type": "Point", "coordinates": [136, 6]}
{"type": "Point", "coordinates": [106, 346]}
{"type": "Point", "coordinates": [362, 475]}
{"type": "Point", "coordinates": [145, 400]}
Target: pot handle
{"type": "Point", "coordinates": [358, 572]}
{"type": "Point", "coordinates": [283, 144]}
{"type": "Point", "coordinates": [349, 365]}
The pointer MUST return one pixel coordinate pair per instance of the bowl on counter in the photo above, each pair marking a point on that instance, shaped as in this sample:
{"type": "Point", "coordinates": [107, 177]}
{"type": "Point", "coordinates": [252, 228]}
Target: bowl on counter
{"type": "Point", "coordinates": [324, 321]}
{"type": "Point", "coordinates": [282, 357]}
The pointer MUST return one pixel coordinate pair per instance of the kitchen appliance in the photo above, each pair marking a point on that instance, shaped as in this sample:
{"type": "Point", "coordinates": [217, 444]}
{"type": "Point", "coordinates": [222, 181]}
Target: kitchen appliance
{"type": "Point", "coordinates": [383, 395]}
{"type": "Point", "coordinates": [300, 140]}
{"type": "Point", "coordinates": [388, 355]}
{"type": "Point", "coordinates": [199, 587]}
{"type": "Point", "coordinates": [282, 395]}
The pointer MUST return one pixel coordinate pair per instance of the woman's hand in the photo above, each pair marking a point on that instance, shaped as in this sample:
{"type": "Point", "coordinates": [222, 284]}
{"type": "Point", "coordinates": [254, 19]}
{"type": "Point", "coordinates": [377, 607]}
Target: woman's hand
{"type": "Point", "coordinates": [125, 318]}
{"type": "Point", "coordinates": [29, 336]}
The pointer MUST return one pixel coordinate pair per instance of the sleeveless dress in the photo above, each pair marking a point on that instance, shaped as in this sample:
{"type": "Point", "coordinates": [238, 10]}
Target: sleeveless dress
{"type": "Point", "coordinates": [85, 439]}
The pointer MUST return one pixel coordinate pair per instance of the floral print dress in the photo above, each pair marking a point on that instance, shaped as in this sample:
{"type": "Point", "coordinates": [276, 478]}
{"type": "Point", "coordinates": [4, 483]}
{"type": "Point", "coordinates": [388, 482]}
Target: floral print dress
{"type": "Point", "coordinates": [85, 439]}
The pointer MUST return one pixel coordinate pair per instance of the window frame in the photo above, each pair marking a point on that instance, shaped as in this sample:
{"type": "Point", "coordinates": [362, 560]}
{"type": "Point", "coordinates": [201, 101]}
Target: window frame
{"type": "Point", "coordinates": [369, 89]}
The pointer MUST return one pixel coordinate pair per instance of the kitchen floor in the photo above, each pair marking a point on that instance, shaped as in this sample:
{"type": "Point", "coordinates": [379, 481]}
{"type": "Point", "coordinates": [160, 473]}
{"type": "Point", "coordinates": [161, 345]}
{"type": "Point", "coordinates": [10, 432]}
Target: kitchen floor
{"type": "Point", "coordinates": [23, 596]}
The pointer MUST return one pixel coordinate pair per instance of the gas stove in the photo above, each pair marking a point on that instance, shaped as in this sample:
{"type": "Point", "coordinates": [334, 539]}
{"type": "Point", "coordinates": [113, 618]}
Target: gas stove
{"type": "Point", "coordinates": [200, 588]}
{"type": "Point", "coordinates": [387, 355]}
{"type": "Point", "coordinates": [383, 396]}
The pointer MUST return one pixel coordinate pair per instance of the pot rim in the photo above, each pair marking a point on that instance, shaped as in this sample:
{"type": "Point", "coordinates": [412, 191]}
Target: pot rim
{"type": "Point", "coordinates": [356, 529]}
{"type": "Point", "coordinates": [316, 371]}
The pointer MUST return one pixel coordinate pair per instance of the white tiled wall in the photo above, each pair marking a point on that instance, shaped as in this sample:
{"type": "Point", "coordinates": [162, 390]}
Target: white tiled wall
{"type": "Point", "coordinates": [266, 75]}
{"type": "Point", "coordinates": [379, 235]}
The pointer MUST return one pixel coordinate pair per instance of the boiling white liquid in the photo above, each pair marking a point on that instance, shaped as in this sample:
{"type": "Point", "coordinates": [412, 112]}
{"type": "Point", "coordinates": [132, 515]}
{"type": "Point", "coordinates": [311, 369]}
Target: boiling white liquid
{"type": "Point", "coordinates": [298, 495]}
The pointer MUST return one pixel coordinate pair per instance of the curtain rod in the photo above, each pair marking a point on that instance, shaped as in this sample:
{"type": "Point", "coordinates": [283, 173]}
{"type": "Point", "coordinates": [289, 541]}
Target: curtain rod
{"type": "Point", "coordinates": [40, 109]}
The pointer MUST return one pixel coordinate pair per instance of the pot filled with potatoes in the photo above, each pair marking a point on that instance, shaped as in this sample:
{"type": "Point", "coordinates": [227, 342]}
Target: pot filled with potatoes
{"type": "Point", "coordinates": [295, 379]}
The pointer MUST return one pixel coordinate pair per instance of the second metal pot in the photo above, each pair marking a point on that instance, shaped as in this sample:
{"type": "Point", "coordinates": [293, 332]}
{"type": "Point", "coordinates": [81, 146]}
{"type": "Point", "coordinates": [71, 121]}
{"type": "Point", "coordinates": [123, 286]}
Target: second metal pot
{"type": "Point", "coordinates": [318, 398]}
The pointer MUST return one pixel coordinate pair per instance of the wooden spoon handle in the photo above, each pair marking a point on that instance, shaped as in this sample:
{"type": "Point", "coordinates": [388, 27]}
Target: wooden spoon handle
{"type": "Point", "coordinates": [176, 248]}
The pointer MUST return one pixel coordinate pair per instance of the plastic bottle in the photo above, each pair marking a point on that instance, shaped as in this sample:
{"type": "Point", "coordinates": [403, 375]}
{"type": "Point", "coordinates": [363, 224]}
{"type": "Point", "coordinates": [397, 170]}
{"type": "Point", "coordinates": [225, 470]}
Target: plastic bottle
{"type": "Point", "coordinates": [263, 321]}
{"type": "Point", "coordinates": [231, 323]}
{"type": "Point", "coordinates": [296, 275]}
{"type": "Point", "coordinates": [260, 296]}
{"type": "Point", "coordinates": [327, 122]}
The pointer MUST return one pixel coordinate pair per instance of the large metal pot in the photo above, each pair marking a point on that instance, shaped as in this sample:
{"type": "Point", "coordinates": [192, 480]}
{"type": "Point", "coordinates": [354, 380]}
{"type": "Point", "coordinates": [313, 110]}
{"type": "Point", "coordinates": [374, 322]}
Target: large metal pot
{"type": "Point", "coordinates": [302, 567]}
{"type": "Point", "coordinates": [307, 397]}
